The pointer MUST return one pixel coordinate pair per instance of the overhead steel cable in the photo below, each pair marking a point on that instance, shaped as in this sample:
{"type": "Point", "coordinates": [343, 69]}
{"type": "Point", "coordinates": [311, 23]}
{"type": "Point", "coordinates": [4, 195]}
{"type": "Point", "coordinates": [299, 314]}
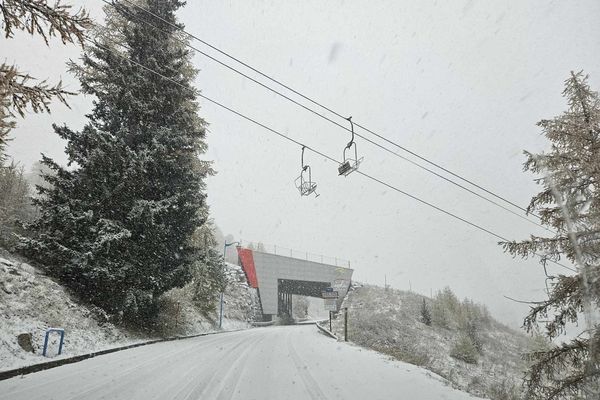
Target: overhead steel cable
{"type": "Point", "coordinates": [329, 109]}
{"type": "Point", "coordinates": [300, 144]}
{"type": "Point", "coordinates": [114, 3]}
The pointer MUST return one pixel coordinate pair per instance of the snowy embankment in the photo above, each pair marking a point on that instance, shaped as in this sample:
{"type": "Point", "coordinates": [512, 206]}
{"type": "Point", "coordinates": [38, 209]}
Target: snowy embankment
{"type": "Point", "coordinates": [31, 302]}
{"type": "Point", "coordinates": [390, 322]}
{"type": "Point", "coordinates": [281, 362]}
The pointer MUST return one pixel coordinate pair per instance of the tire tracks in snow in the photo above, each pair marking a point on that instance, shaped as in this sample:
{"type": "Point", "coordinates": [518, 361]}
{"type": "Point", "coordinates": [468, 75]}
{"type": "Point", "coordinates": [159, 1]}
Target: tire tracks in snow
{"type": "Point", "coordinates": [312, 387]}
{"type": "Point", "coordinates": [107, 365]}
{"type": "Point", "coordinates": [153, 363]}
{"type": "Point", "coordinates": [222, 381]}
{"type": "Point", "coordinates": [196, 387]}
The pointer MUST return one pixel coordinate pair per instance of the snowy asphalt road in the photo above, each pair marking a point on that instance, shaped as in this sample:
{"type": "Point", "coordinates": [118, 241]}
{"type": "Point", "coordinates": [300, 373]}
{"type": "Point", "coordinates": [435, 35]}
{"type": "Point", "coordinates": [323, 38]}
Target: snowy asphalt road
{"type": "Point", "coordinates": [293, 362]}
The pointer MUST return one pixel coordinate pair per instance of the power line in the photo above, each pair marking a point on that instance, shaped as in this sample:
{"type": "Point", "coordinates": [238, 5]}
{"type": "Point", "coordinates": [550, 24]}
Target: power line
{"type": "Point", "coordinates": [323, 106]}
{"type": "Point", "coordinates": [314, 150]}
{"type": "Point", "coordinates": [114, 3]}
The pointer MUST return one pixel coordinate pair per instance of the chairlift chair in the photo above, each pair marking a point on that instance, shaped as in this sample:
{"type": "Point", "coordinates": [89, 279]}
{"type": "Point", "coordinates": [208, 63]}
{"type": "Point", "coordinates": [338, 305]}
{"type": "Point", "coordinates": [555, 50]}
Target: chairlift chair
{"type": "Point", "coordinates": [304, 182]}
{"type": "Point", "coordinates": [350, 164]}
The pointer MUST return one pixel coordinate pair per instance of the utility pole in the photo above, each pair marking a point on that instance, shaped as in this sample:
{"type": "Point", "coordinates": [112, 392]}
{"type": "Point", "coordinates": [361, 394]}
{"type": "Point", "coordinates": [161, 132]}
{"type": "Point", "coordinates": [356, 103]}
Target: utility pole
{"type": "Point", "coordinates": [330, 321]}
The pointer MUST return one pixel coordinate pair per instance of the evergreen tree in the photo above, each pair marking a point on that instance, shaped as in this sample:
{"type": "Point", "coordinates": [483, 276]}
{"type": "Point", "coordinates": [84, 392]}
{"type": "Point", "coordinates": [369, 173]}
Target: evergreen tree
{"type": "Point", "coordinates": [464, 349]}
{"type": "Point", "coordinates": [425, 314]}
{"type": "Point", "coordinates": [209, 278]}
{"type": "Point", "coordinates": [17, 90]}
{"type": "Point", "coordinates": [6, 125]}
{"type": "Point", "coordinates": [117, 226]}
{"type": "Point", "coordinates": [570, 204]}
{"type": "Point", "coordinates": [15, 203]}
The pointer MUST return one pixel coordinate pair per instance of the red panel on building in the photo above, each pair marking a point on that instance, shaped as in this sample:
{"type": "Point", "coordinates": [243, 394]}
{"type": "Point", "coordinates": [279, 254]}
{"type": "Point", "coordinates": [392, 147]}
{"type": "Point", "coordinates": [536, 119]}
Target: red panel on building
{"type": "Point", "coordinates": [247, 260]}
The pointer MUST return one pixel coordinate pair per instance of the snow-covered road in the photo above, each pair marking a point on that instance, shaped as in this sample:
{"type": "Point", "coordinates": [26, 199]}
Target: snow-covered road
{"type": "Point", "coordinates": [293, 362]}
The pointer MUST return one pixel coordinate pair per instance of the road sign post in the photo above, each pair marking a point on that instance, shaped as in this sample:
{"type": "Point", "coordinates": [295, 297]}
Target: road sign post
{"type": "Point", "coordinates": [345, 324]}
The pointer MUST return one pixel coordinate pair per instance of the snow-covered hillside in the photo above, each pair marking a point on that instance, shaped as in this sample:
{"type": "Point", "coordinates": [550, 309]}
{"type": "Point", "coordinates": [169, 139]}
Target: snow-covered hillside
{"type": "Point", "coordinates": [31, 302]}
{"type": "Point", "coordinates": [390, 321]}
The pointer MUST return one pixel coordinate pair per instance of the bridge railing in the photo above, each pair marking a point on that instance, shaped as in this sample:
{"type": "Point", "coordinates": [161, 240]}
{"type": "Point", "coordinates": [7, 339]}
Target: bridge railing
{"type": "Point", "coordinates": [293, 253]}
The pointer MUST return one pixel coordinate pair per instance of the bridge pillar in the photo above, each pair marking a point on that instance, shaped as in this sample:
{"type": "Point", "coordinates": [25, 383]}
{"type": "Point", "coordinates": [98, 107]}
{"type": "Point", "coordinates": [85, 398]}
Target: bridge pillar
{"type": "Point", "coordinates": [284, 303]}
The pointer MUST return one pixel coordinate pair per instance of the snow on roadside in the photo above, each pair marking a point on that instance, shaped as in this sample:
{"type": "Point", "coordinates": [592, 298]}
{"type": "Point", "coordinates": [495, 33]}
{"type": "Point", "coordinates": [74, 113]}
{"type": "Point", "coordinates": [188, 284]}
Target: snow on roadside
{"type": "Point", "coordinates": [31, 302]}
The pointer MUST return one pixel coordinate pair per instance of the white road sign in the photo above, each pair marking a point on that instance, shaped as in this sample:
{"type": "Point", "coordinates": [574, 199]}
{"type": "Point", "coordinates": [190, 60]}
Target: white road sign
{"type": "Point", "coordinates": [331, 304]}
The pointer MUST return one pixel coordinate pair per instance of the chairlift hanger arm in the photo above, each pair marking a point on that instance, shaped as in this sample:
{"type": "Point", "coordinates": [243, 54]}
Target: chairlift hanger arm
{"type": "Point", "coordinates": [302, 158]}
{"type": "Point", "coordinates": [349, 119]}
{"type": "Point", "coordinates": [351, 142]}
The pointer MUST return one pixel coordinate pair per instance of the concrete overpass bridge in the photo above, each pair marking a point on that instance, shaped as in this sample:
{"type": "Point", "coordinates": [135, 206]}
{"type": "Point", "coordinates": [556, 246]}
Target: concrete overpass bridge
{"type": "Point", "coordinates": [278, 277]}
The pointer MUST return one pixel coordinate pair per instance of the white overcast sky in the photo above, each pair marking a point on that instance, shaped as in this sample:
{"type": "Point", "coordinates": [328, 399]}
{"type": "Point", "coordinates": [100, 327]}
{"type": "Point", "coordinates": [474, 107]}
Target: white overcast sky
{"type": "Point", "coordinates": [461, 82]}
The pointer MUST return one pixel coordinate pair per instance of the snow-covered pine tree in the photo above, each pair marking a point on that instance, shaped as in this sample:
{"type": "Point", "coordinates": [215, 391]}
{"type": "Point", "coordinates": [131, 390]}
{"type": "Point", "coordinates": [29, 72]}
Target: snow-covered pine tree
{"type": "Point", "coordinates": [570, 204]}
{"type": "Point", "coordinates": [36, 17]}
{"type": "Point", "coordinates": [117, 225]}
{"type": "Point", "coordinates": [209, 278]}
{"type": "Point", "coordinates": [425, 313]}
{"type": "Point", "coordinates": [6, 125]}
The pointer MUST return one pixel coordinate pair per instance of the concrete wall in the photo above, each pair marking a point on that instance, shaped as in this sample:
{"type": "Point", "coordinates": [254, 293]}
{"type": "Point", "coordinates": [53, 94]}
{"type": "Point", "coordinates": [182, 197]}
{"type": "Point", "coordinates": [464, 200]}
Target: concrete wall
{"type": "Point", "coordinates": [270, 268]}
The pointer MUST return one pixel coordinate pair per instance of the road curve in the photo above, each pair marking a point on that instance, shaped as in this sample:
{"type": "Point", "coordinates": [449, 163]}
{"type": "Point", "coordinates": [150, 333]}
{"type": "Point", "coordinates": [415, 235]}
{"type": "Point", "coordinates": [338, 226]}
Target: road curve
{"type": "Point", "coordinates": [292, 362]}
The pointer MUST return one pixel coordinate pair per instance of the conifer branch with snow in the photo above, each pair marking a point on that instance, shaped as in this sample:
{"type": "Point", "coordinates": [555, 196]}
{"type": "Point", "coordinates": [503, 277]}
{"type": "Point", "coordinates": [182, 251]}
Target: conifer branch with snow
{"type": "Point", "coordinates": [570, 204]}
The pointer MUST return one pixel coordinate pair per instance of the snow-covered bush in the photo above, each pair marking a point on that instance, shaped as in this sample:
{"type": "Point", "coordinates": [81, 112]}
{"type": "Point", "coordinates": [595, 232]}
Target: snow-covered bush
{"type": "Point", "coordinates": [425, 313]}
{"type": "Point", "coordinates": [464, 349]}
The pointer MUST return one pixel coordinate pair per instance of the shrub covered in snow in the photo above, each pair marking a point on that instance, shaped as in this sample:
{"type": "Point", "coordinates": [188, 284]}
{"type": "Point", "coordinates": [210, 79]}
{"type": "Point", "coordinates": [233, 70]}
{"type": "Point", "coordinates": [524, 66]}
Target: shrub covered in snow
{"type": "Point", "coordinates": [464, 349]}
{"type": "Point", "coordinates": [425, 313]}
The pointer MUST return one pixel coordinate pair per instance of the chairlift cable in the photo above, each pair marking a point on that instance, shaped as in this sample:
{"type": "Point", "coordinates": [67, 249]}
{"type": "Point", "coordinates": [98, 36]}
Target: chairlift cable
{"type": "Point", "coordinates": [524, 217]}
{"type": "Point", "coordinates": [314, 150]}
